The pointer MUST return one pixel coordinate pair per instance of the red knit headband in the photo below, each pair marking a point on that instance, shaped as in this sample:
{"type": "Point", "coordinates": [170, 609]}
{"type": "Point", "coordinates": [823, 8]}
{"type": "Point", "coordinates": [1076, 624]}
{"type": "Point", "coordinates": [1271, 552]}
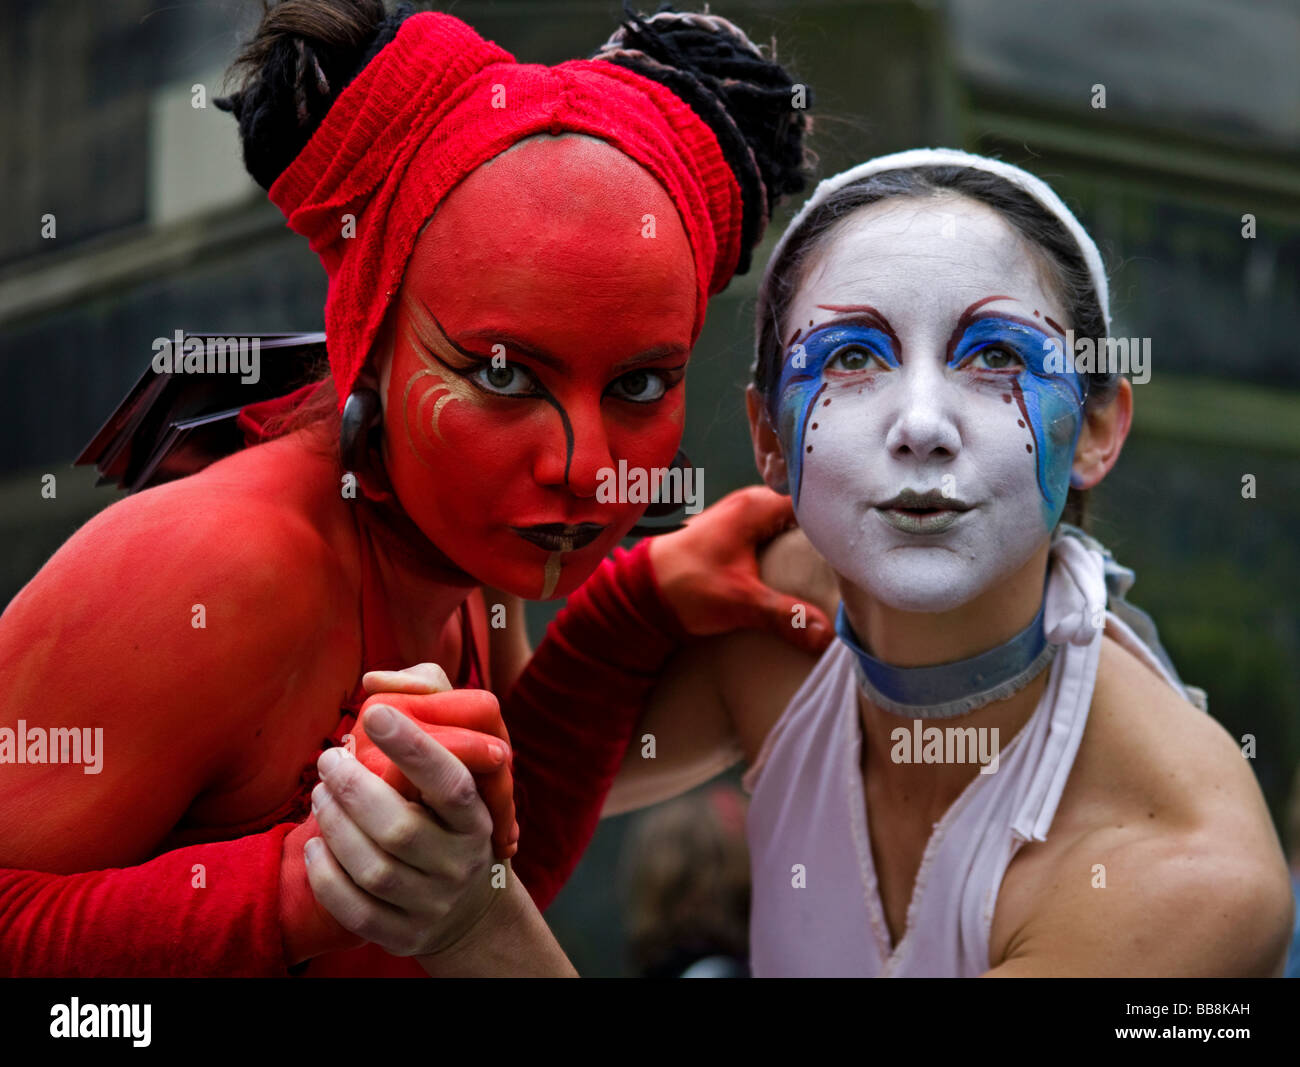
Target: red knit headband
{"type": "Point", "coordinates": [420, 117]}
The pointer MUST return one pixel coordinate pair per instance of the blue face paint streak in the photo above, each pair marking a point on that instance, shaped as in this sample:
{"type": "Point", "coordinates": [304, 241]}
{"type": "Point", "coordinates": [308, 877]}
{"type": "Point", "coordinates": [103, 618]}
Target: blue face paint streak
{"type": "Point", "coordinates": [1049, 391]}
{"type": "Point", "coordinates": [801, 384]}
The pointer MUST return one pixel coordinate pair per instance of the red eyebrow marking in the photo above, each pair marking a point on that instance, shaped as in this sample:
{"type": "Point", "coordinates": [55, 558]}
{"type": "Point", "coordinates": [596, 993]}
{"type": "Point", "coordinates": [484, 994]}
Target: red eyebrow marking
{"type": "Point", "coordinates": [967, 317]}
{"type": "Point", "coordinates": [869, 313]}
{"type": "Point", "coordinates": [979, 304]}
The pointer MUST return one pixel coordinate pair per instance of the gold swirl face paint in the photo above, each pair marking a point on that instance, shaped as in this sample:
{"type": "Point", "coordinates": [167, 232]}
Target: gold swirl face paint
{"type": "Point", "coordinates": [442, 382]}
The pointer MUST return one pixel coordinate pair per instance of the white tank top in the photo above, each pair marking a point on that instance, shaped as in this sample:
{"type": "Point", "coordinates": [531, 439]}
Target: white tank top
{"type": "Point", "coordinates": [816, 908]}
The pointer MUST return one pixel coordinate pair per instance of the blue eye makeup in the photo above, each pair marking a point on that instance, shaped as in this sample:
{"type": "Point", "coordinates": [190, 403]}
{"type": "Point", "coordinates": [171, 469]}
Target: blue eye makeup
{"type": "Point", "coordinates": [997, 350]}
{"type": "Point", "coordinates": [1034, 347]}
{"type": "Point", "coordinates": [844, 347]}
{"type": "Point", "coordinates": [1043, 384]}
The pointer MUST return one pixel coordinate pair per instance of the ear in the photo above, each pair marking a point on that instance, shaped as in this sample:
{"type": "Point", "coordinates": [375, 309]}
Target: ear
{"type": "Point", "coordinates": [1102, 437]}
{"type": "Point", "coordinates": [768, 456]}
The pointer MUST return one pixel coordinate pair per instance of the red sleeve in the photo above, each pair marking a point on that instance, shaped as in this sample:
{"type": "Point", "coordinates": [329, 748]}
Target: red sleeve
{"type": "Point", "coordinates": [152, 920]}
{"type": "Point", "coordinates": [575, 707]}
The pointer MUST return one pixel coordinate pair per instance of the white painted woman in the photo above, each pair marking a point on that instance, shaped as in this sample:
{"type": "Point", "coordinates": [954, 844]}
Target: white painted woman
{"type": "Point", "coordinates": [904, 399]}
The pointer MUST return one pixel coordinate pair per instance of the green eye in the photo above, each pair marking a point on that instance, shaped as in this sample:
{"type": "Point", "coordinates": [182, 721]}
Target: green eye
{"type": "Point", "coordinates": [640, 386]}
{"type": "Point", "coordinates": [854, 357]}
{"type": "Point", "coordinates": [509, 380]}
{"type": "Point", "coordinates": [995, 357]}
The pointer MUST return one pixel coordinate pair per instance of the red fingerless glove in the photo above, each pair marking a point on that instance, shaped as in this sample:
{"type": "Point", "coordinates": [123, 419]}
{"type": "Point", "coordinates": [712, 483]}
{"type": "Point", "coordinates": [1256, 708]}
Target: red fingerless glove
{"type": "Point", "coordinates": [575, 707]}
{"type": "Point", "coordinates": [160, 919]}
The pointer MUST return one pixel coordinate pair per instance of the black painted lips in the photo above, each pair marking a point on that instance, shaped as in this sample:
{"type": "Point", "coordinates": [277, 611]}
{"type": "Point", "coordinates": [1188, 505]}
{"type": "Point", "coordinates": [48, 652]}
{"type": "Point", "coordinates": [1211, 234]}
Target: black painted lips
{"type": "Point", "coordinates": [557, 537]}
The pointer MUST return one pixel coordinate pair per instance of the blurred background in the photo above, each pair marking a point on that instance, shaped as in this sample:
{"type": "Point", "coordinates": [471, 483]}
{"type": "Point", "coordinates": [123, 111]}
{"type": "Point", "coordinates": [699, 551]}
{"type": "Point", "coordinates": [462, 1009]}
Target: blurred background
{"type": "Point", "coordinates": [158, 227]}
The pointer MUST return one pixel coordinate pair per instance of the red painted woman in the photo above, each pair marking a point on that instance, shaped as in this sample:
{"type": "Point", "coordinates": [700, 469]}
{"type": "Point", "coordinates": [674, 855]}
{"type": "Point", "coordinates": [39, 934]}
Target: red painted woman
{"type": "Point", "coordinates": [519, 259]}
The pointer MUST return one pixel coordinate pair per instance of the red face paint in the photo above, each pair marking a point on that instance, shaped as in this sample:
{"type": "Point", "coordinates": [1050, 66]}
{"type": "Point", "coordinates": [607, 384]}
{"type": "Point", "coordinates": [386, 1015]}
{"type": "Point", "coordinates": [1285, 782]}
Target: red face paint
{"type": "Point", "coordinates": [542, 259]}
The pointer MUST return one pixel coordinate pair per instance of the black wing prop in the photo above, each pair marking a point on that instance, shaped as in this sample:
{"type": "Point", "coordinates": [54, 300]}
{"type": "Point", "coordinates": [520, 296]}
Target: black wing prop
{"type": "Point", "coordinates": [173, 424]}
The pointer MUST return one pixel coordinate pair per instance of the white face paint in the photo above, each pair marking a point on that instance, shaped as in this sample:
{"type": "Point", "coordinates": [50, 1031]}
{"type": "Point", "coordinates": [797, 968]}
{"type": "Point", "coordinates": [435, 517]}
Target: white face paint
{"type": "Point", "coordinates": [918, 367]}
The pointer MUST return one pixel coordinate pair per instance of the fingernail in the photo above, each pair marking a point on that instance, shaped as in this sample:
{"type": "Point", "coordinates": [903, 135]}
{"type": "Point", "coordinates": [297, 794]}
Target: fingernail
{"type": "Point", "coordinates": [498, 750]}
{"type": "Point", "coordinates": [312, 851]}
{"type": "Point", "coordinates": [315, 797]}
{"type": "Point", "coordinates": [329, 759]}
{"type": "Point", "coordinates": [380, 721]}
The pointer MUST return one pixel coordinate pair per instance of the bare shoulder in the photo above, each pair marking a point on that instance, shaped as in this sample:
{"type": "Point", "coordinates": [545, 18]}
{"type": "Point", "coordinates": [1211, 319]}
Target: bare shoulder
{"type": "Point", "coordinates": [759, 674]}
{"type": "Point", "coordinates": [714, 704]}
{"type": "Point", "coordinates": [1162, 859]}
{"type": "Point", "coordinates": [790, 564]}
{"type": "Point", "coordinates": [263, 540]}
{"type": "Point", "coordinates": [179, 621]}
{"type": "Point", "coordinates": [718, 699]}
{"type": "Point", "coordinates": [237, 540]}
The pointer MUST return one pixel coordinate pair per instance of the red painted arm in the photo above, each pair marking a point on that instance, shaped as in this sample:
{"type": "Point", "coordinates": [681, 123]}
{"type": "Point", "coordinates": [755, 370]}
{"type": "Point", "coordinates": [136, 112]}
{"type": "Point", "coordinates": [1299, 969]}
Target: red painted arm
{"type": "Point", "coordinates": [574, 709]}
{"type": "Point", "coordinates": [103, 639]}
{"type": "Point", "coordinates": [160, 919]}
{"type": "Point", "coordinates": [576, 706]}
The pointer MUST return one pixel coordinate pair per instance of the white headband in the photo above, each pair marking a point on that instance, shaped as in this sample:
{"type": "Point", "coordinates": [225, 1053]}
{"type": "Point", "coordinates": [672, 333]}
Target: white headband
{"type": "Point", "coordinates": [941, 157]}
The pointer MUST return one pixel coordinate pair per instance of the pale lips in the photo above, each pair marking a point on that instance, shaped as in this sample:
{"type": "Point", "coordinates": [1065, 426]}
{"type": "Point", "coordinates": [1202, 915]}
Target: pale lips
{"type": "Point", "coordinates": [930, 512]}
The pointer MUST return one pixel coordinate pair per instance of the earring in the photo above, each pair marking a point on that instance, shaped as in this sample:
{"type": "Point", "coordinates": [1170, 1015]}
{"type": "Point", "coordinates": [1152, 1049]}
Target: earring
{"type": "Point", "coordinates": [361, 414]}
{"type": "Point", "coordinates": [665, 516]}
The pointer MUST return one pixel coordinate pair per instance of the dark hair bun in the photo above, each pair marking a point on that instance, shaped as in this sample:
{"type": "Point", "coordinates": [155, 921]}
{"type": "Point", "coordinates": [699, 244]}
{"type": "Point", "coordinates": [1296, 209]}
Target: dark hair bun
{"type": "Point", "coordinates": [746, 98]}
{"type": "Point", "coordinates": [304, 53]}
